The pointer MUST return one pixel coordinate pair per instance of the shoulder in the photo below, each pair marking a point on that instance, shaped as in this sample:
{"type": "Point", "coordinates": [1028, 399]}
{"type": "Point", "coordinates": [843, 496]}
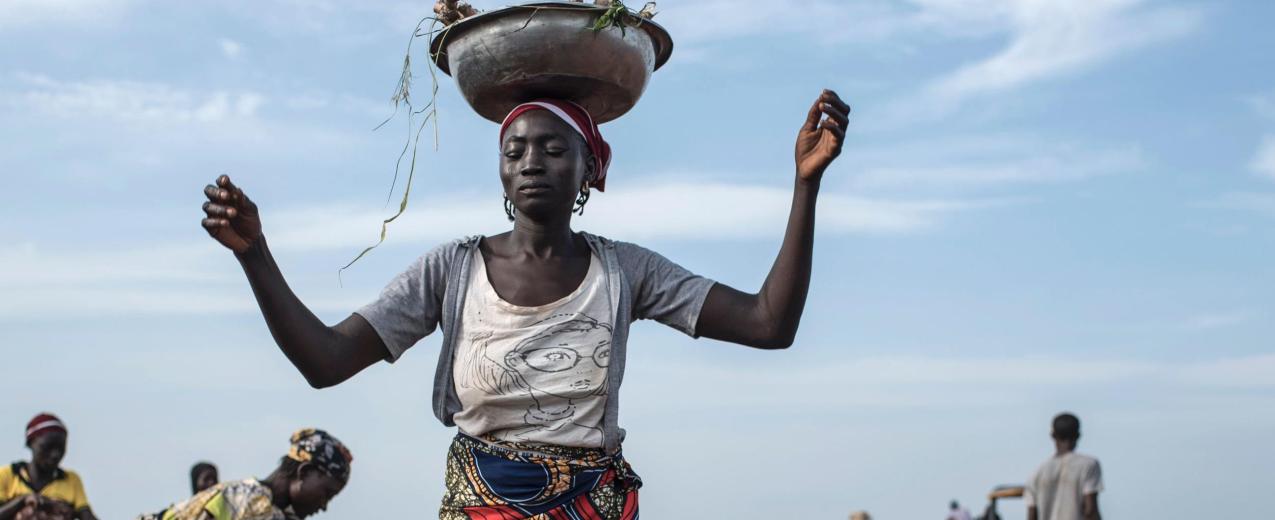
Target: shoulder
{"type": "Point", "coordinates": [445, 251]}
{"type": "Point", "coordinates": [1084, 460]}
{"type": "Point", "coordinates": [1045, 466]}
{"type": "Point", "coordinates": [627, 254]}
{"type": "Point", "coordinates": [73, 477]}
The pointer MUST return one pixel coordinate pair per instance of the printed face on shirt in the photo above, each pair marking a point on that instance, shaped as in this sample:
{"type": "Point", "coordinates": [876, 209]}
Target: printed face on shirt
{"type": "Point", "coordinates": [568, 360]}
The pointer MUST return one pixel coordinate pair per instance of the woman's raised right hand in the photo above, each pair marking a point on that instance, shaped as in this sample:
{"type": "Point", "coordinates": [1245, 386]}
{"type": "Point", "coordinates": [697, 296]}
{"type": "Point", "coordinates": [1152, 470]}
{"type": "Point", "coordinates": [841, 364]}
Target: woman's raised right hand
{"type": "Point", "coordinates": [231, 218]}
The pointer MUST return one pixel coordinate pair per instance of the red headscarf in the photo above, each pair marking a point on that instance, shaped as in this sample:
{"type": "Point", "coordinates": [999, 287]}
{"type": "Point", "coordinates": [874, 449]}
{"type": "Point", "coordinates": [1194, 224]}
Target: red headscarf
{"type": "Point", "coordinates": [42, 424]}
{"type": "Point", "coordinates": [579, 120]}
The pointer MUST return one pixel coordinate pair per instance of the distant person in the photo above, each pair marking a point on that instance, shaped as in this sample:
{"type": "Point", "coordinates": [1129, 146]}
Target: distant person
{"type": "Point", "coordinates": [956, 512]}
{"type": "Point", "coordinates": [1066, 486]}
{"type": "Point", "coordinates": [314, 471]}
{"type": "Point", "coordinates": [41, 489]}
{"type": "Point", "coordinates": [860, 515]}
{"type": "Point", "coordinates": [203, 475]}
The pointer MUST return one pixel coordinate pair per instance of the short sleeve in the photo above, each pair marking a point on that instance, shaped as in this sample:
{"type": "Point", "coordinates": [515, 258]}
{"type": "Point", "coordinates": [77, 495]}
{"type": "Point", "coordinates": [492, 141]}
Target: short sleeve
{"type": "Point", "coordinates": [662, 290]}
{"type": "Point", "coordinates": [1093, 479]}
{"type": "Point", "coordinates": [409, 307]}
{"type": "Point", "coordinates": [6, 484]}
{"type": "Point", "coordinates": [79, 500]}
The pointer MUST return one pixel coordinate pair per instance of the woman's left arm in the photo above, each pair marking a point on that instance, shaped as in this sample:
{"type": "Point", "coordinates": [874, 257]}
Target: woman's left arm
{"type": "Point", "coordinates": [769, 318]}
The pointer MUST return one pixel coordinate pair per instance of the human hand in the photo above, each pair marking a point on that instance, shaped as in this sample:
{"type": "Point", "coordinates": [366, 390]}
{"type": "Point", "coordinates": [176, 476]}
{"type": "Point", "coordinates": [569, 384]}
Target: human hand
{"type": "Point", "coordinates": [54, 509]}
{"type": "Point", "coordinates": [231, 218]}
{"type": "Point", "coordinates": [819, 140]}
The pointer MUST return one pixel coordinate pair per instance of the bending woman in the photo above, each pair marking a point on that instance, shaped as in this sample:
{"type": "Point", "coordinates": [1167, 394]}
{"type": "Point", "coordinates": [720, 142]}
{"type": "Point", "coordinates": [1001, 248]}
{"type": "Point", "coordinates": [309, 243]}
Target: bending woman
{"type": "Point", "coordinates": [315, 469]}
{"type": "Point", "coordinates": [535, 321]}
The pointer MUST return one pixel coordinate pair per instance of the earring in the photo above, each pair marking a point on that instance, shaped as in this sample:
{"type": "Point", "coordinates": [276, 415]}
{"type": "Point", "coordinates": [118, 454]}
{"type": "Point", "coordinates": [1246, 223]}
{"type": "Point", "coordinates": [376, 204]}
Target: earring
{"type": "Point", "coordinates": [509, 208]}
{"type": "Point", "coordinates": [582, 199]}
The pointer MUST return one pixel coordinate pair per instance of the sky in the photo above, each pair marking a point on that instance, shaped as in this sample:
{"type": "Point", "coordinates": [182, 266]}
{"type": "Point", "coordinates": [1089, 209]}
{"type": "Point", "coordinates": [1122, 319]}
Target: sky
{"type": "Point", "coordinates": [1042, 205]}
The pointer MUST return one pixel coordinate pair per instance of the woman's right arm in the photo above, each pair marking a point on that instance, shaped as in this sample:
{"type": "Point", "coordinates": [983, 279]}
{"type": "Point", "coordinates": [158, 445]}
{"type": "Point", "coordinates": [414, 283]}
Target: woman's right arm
{"type": "Point", "coordinates": [325, 355]}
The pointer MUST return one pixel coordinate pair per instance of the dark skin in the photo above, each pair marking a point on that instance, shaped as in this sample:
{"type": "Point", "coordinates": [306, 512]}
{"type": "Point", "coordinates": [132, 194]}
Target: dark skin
{"type": "Point", "coordinates": [543, 166]}
{"type": "Point", "coordinates": [205, 479]}
{"type": "Point", "coordinates": [1088, 508]}
{"type": "Point", "coordinates": [307, 489]}
{"type": "Point", "coordinates": [46, 454]}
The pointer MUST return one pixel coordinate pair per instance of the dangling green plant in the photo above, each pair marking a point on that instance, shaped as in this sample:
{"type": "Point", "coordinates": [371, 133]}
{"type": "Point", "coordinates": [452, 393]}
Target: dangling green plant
{"type": "Point", "coordinates": [618, 15]}
{"type": "Point", "coordinates": [402, 98]}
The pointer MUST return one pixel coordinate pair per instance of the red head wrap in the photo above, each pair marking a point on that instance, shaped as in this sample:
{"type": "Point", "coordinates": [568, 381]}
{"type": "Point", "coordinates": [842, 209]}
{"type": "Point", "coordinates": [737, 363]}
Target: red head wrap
{"type": "Point", "coordinates": [579, 120]}
{"type": "Point", "coordinates": [43, 424]}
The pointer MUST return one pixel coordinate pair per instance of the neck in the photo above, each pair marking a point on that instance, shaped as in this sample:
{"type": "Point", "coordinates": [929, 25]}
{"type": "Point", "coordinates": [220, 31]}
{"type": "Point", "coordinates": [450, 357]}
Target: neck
{"type": "Point", "coordinates": [278, 484]}
{"type": "Point", "coordinates": [542, 239]}
{"type": "Point", "coordinates": [1064, 447]}
{"type": "Point", "coordinates": [39, 475]}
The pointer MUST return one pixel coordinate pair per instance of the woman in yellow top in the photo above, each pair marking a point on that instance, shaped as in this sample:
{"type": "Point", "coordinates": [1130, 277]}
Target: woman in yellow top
{"type": "Point", "coordinates": [314, 471]}
{"type": "Point", "coordinates": [40, 489]}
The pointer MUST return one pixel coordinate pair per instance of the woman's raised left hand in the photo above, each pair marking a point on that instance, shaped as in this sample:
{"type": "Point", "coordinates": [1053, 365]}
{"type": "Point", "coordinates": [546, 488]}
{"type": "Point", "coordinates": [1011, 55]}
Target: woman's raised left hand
{"type": "Point", "coordinates": [820, 139]}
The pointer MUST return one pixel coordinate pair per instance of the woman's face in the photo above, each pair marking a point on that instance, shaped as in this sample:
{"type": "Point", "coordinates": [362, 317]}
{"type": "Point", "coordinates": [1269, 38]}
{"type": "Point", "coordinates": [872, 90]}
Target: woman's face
{"type": "Point", "coordinates": [543, 163]}
{"type": "Point", "coordinates": [311, 491]}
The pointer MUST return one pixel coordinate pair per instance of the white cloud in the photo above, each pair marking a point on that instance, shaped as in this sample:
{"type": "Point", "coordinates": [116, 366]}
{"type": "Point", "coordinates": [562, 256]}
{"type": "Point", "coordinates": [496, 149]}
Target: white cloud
{"type": "Point", "coordinates": [1262, 104]}
{"type": "Point", "coordinates": [230, 48]}
{"type": "Point", "coordinates": [1218, 320]}
{"type": "Point", "coordinates": [1256, 202]}
{"type": "Point", "coordinates": [929, 381]}
{"type": "Point", "coordinates": [192, 277]}
{"type": "Point", "coordinates": [130, 100]}
{"type": "Point", "coordinates": [1051, 38]}
{"type": "Point", "coordinates": [991, 161]}
{"type": "Point", "coordinates": [17, 13]}
{"type": "Point", "coordinates": [1264, 160]}
{"type": "Point", "coordinates": [673, 210]}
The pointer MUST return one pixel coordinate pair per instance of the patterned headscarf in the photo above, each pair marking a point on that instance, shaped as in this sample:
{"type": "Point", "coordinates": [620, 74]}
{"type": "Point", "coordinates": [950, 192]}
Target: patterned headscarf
{"type": "Point", "coordinates": [322, 450]}
{"type": "Point", "coordinates": [579, 120]}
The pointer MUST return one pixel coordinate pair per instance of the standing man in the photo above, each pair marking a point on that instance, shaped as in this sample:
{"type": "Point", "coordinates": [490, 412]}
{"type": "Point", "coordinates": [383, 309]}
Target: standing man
{"type": "Point", "coordinates": [1066, 486]}
{"type": "Point", "coordinates": [41, 485]}
{"type": "Point", "coordinates": [956, 512]}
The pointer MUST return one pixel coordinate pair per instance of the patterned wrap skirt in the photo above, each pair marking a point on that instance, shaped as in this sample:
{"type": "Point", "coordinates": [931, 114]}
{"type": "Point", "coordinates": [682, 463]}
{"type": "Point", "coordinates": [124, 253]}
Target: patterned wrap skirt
{"type": "Point", "coordinates": [512, 481]}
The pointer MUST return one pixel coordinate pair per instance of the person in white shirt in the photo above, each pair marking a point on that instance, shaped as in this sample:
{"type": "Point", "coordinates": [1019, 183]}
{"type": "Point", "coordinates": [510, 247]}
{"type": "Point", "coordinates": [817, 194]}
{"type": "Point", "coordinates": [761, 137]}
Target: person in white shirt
{"type": "Point", "coordinates": [1066, 486]}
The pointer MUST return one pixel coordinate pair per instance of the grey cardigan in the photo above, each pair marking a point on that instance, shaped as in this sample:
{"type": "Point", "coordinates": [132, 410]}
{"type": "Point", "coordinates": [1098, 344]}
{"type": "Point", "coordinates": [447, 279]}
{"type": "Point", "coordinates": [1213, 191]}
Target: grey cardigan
{"type": "Point", "coordinates": [641, 284]}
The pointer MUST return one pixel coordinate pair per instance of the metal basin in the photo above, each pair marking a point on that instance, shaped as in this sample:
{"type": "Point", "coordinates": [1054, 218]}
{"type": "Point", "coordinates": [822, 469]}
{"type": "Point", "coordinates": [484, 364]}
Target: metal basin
{"type": "Point", "coordinates": [508, 56]}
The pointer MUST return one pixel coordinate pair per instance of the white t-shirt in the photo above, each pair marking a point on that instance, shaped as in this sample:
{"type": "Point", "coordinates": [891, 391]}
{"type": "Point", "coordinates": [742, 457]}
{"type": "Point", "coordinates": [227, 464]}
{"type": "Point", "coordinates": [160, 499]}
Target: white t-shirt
{"type": "Point", "coordinates": [1059, 486]}
{"type": "Point", "coordinates": [534, 374]}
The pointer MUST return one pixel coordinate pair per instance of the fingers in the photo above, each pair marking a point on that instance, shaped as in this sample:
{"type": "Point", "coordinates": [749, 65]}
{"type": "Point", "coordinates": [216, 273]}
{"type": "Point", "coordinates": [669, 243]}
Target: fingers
{"type": "Point", "coordinates": [832, 98]}
{"type": "Point", "coordinates": [221, 230]}
{"type": "Point", "coordinates": [812, 118]}
{"type": "Point", "coordinates": [834, 113]}
{"type": "Point", "coordinates": [218, 195]}
{"type": "Point", "coordinates": [223, 181]}
{"type": "Point", "coordinates": [226, 193]}
{"type": "Point", "coordinates": [828, 104]}
{"type": "Point", "coordinates": [220, 211]}
{"type": "Point", "coordinates": [836, 130]}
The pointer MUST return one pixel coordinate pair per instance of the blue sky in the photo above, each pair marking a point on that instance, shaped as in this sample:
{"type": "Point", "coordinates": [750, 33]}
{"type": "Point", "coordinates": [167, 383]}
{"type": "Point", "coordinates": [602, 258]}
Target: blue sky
{"type": "Point", "coordinates": [1044, 205]}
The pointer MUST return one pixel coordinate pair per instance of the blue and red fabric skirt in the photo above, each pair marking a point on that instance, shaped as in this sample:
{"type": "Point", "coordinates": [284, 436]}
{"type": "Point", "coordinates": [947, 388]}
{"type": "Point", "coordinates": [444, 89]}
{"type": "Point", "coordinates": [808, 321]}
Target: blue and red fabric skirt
{"type": "Point", "coordinates": [511, 481]}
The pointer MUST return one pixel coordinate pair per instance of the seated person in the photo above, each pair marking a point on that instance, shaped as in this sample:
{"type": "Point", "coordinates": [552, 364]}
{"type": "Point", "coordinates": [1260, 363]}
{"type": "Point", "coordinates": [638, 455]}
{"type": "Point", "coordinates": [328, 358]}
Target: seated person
{"type": "Point", "coordinates": [315, 469]}
{"type": "Point", "coordinates": [40, 489]}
